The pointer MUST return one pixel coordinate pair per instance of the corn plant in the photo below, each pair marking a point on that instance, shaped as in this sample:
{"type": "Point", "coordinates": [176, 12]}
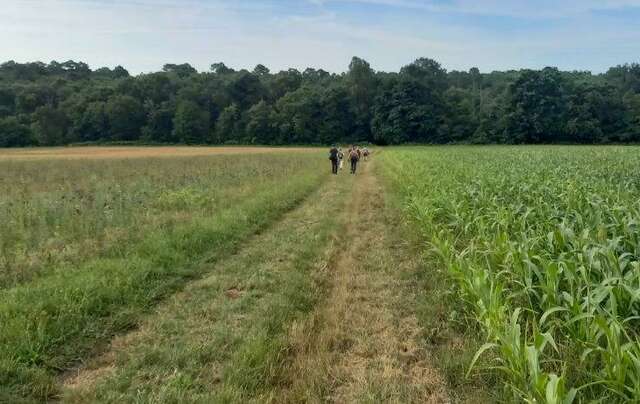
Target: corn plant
{"type": "Point", "coordinates": [542, 246]}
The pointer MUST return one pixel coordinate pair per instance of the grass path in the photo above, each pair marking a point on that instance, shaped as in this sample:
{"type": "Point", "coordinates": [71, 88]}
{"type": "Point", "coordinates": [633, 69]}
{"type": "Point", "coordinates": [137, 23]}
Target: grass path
{"type": "Point", "coordinates": [363, 342]}
{"type": "Point", "coordinates": [318, 308]}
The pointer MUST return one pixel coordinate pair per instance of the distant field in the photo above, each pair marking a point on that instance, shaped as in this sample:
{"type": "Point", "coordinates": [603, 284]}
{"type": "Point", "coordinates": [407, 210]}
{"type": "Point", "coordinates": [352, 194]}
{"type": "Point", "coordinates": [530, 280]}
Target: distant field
{"type": "Point", "coordinates": [98, 152]}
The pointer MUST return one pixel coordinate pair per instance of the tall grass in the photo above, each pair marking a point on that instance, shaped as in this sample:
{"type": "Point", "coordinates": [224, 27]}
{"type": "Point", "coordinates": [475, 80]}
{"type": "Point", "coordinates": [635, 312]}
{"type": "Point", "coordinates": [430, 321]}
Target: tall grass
{"type": "Point", "coordinates": [542, 247]}
{"type": "Point", "coordinates": [89, 245]}
{"type": "Point", "coordinates": [56, 213]}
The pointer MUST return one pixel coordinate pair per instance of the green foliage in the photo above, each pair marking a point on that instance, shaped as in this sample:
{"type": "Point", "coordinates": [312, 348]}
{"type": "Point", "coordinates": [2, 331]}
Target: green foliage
{"type": "Point", "coordinates": [537, 107]}
{"type": "Point", "coordinates": [260, 123]}
{"type": "Point", "coordinates": [191, 123]}
{"type": "Point", "coordinates": [93, 123]}
{"type": "Point", "coordinates": [228, 127]}
{"type": "Point", "coordinates": [422, 103]}
{"type": "Point", "coordinates": [50, 125]}
{"type": "Point", "coordinates": [541, 247]}
{"type": "Point", "coordinates": [408, 112]}
{"type": "Point", "coordinates": [14, 134]}
{"type": "Point", "coordinates": [160, 121]}
{"type": "Point", "coordinates": [126, 117]}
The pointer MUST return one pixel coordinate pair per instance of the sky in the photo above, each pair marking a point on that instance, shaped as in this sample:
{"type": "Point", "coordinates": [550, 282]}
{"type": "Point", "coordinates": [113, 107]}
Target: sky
{"type": "Point", "coordinates": [143, 35]}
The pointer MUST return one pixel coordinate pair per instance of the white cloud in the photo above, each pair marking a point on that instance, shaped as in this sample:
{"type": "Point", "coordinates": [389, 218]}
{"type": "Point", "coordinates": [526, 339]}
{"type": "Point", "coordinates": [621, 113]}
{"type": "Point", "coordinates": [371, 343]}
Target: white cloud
{"type": "Point", "coordinates": [144, 34]}
{"type": "Point", "coordinates": [513, 8]}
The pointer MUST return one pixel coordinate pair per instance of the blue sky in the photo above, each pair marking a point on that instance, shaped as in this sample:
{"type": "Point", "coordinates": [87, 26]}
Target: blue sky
{"type": "Point", "coordinates": [142, 35]}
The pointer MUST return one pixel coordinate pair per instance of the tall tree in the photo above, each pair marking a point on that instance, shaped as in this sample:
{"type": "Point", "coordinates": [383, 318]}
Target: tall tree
{"type": "Point", "coordinates": [191, 123]}
{"type": "Point", "coordinates": [537, 106]}
{"type": "Point", "coordinates": [126, 117]}
{"type": "Point", "coordinates": [14, 134]}
{"type": "Point", "coordinates": [229, 125]}
{"type": "Point", "coordinates": [50, 126]}
{"type": "Point", "coordinates": [362, 88]}
{"type": "Point", "coordinates": [260, 128]}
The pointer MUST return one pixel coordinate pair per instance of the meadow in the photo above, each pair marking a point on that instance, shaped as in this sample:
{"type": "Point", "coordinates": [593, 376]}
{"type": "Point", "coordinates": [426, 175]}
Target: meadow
{"type": "Point", "coordinates": [436, 274]}
{"type": "Point", "coordinates": [538, 251]}
{"type": "Point", "coordinates": [88, 245]}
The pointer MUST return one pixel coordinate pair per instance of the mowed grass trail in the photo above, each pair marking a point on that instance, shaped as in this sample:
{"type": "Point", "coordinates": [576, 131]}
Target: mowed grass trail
{"type": "Point", "coordinates": [364, 343]}
{"type": "Point", "coordinates": [224, 339]}
{"type": "Point", "coordinates": [88, 246]}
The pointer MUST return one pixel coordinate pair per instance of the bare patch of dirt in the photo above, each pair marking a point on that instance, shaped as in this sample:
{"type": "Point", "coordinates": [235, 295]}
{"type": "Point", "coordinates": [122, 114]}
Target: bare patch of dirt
{"type": "Point", "coordinates": [233, 293]}
{"type": "Point", "coordinates": [87, 375]}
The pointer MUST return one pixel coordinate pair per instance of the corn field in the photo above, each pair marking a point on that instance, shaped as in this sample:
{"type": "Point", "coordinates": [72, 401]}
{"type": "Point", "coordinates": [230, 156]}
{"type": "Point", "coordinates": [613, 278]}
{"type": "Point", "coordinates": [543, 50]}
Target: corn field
{"type": "Point", "coordinates": [542, 247]}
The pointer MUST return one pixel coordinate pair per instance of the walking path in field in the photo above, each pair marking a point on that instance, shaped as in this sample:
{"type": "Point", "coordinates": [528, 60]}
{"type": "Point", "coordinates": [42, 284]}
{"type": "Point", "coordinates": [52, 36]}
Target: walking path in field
{"type": "Point", "coordinates": [363, 343]}
{"type": "Point", "coordinates": [317, 308]}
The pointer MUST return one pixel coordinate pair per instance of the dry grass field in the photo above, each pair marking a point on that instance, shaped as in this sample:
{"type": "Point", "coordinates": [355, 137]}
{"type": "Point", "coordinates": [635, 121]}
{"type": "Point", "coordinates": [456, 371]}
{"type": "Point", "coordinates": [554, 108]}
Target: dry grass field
{"type": "Point", "coordinates": [116, 152]}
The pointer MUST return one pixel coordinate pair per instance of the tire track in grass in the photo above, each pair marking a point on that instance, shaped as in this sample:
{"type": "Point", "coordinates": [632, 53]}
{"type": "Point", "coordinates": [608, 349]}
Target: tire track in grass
{"type": "Point", "coordinates": [363, 343]}
{"type": "Point", "coordinates": [224, 338]}
{"type": "Point", "coordinates": [54, 322]}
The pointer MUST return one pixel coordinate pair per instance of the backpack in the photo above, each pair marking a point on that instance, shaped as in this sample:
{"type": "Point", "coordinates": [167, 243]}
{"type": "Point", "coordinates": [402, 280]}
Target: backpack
{"type": "Point", "coordinates": [353, 155]}
{"type": "Point", "coordinates": [333, 154]}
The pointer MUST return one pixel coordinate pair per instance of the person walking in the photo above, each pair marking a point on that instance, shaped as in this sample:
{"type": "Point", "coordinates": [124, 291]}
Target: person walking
{"type": "Point", "coordinates": [333, 156]}
{"type": "Point", "coordinates": [354, 156]}
{"type": "Point", "coordinates": [340, 158]}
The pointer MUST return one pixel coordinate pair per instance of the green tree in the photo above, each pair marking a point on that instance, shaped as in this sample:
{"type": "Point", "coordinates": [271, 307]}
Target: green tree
{"type": "Point", "coordinates": [631, 129]}
{"type": "Point", "coordinates": [14, 134]}
{"type": "Point", "coordinates": [221, 68]}
{"type": "Point", "coordinates": [94, 123]}
{"type": "Point", "coordinates": [7, 102]}
{"type": "Point", "coordinates": [261, 70]}
{"type": "Point", "coordinates": [335, 116]}
{"type": "Point", "coordinates": [537, 107]}
{"type": "Point", "coordinates": [459, 123]}
{"type": "Point", "coordinates": [229, 125]}
{"type": "Point", "coordinates": [159, 127]}
{"type": "Point", "coordinates": [298, 115]}
{"type": "Point", "coordinates": [408, 112]}
{"type": "Point", "coordinates": [50, 126]}
{"type": "Point", "coordinates": [126, 116]}
{"type": "Point", "coordinates": [428, 72]}
{"type": "Point", "coordinates": [361, 82]}
{"type": "Point", "coordinates": [260, 124]}
{"type": "Point", "coordinates": [191, 123]}
{"type": "Point", "coordinates": [284, 82]}
{"type": "Point", "coordinates": [182, 70]}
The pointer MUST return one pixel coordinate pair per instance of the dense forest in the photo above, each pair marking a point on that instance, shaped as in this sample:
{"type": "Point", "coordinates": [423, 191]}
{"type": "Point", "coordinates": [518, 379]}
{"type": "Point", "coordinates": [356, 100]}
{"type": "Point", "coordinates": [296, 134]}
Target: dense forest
{"type": "Point", "coordinates": [63, 103]}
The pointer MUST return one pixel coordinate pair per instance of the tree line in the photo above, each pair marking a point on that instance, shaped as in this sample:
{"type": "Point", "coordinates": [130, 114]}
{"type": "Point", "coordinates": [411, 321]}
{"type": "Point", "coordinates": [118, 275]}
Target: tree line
{"type": "Point", "coordinates": [63, 103]}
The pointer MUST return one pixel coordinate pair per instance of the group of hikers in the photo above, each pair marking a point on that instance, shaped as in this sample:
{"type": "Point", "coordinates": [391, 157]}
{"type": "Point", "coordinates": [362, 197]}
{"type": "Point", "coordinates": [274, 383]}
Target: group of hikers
{"type": "Point", "coordinates": [354, 154]}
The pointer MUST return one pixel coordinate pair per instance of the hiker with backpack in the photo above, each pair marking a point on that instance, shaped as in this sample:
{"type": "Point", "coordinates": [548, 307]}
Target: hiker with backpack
{"type": "Point", "coordinates": [333, 156]}
{"type": "Point", "coordinates": [365, 153]}
{"type": "Point", "coordinates": [340, 158]}
{"type": "Point", "coordinates": [354, 156]}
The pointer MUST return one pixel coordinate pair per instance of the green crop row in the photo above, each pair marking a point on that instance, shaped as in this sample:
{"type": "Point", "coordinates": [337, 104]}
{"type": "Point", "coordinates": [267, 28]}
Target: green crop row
{"type": "Point", "coordinates": [542, 246]}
